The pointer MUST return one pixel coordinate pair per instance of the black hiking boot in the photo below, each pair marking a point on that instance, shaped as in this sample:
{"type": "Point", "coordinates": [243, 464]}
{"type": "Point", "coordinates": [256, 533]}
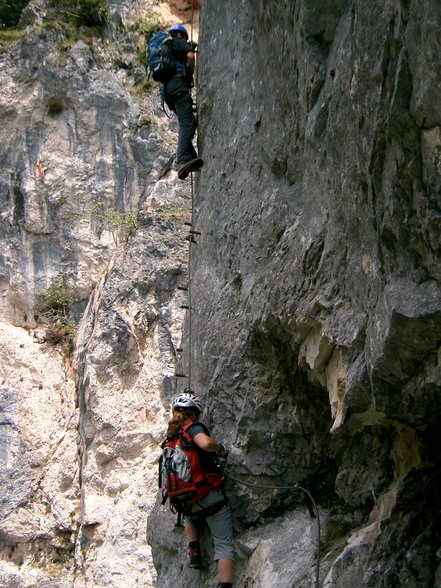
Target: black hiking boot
{"type": "Point", "coordinates": [186, 167]}
{"type": "Point", "coordinates": [195, 559]}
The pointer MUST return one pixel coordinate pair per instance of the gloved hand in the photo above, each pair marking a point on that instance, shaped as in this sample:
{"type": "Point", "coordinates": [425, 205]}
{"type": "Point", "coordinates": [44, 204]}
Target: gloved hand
{"type": "Point", "coordinates": [223, 451]}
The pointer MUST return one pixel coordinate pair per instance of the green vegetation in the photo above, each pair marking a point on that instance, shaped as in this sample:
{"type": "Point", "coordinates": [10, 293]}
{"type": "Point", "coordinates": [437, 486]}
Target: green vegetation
{"type": "Point", "coordinates": [8, 37]}
{"type": "Point", "coordinates": [147, 24]}
{"type": "Point", "coordinates": [54, 306]}
{"type": "Point", "coordinates": [277, 233]}
{"type": "Point", "coordinates": [10, 12]}
{"type": "Point", "coordinates": [58, 296]}
{"type": "Point", "coordinates": [139, 90]}
{"type": "Point", "coordinates": [169, 213]}
{"type": "Point", "coordinates": [79, 18]}
{"type": "Point", "coordinates": [121, 225]}
{"type": "Point", "coordinates": [82, 13]}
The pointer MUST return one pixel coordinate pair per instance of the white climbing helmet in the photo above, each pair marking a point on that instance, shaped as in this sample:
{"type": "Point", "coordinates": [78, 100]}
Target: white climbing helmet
{"type": "Point", "coordinates": [187, 400]}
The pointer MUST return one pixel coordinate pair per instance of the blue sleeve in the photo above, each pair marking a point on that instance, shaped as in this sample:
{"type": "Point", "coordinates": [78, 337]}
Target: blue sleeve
{"type": "Point", "coordinates": [195, 430]}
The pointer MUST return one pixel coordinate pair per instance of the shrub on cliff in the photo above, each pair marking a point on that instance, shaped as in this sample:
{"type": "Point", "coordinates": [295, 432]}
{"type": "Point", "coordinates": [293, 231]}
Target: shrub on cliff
{"type": "Point", "coordinates": [89, 13]}
{"type": "Point", "coordinates": [121, 225]}
{"type": "Point", "coordinates": [54, 306]}
{"type": "Point", "coordinates": [10, 12]}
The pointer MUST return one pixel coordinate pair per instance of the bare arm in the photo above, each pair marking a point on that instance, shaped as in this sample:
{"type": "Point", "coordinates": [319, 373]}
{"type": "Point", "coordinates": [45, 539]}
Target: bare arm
{"type": "Point", "coordinates": [190, 61]}
{"type": "Point", "coordinates": [207, 443]}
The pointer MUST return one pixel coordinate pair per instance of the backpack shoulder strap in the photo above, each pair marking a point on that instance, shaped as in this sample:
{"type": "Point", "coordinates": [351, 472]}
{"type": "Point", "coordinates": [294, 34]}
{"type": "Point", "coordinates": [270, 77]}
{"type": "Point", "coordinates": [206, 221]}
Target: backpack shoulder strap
{"type": "Point", "coordinates": [169, 438]}
{"type": "Point", "coordinates": [186, 428]}
{"type": "Point", "coordinates": [186, 435]}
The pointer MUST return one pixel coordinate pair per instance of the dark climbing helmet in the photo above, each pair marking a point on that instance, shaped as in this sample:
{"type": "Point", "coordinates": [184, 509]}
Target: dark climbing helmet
{"type": "Point", "coordinates": [180, 28]}
{"type": "Point", "coordinates": [187, 400]}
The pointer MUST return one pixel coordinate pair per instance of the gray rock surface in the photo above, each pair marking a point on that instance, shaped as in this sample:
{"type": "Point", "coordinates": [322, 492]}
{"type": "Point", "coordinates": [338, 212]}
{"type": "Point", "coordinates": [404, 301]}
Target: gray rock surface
{"type": "Point", "coordinates": [39, 473]}
{"type": "Point", "coordinates": [316, 280]}
{"type": "Point", "coordinates": [79, 435]}
{"type": "Point", "coordinates": [72, 136]}
{"type": "Point", "coordinates": [315, 324]}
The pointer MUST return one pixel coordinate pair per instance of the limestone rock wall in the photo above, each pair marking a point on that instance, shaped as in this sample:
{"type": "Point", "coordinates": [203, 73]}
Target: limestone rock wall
{"type": "Point", "coordinates": [316, 285]}
{"type": "Point", "coordinates": [84, 142]}
{"type": "Point", "coordinates": [315, 291]}
{"type": "Point", "coordinates": [125, 364]}
{"type": "Point", "coordinates": [73, 135]}
{"type": "Point", "coordinates": [39, 472]}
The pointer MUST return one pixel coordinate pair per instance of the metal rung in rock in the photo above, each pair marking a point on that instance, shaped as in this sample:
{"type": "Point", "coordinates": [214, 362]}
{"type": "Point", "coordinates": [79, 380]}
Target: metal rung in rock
{"type": "Point", "coordinates": [185, 306]}
{"type": "Point", "coordinates": [181, 376]}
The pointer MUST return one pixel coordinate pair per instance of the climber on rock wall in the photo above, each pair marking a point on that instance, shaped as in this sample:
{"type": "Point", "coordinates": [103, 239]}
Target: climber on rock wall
{"type": "Point", "coordinates": [214, 508]}
{"type": "Point", "coordinates": [177, 96]}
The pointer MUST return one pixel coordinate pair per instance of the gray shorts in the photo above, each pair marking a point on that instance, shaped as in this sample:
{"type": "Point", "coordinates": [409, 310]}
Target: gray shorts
{"type": "Point", "coordinates": [220, 525]}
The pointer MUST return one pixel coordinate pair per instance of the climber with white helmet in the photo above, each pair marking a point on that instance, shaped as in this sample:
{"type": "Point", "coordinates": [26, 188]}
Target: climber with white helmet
{"type": "Point", "coordinates": [214, 506]}
{"type": "Point", "coordinates": [187, 400]}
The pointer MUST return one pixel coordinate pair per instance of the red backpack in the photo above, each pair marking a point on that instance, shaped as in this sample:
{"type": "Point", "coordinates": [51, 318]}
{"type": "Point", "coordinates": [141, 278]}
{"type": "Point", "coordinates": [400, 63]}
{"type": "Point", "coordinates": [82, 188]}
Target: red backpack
{"type": "Point", "coordinates": [183, 476]}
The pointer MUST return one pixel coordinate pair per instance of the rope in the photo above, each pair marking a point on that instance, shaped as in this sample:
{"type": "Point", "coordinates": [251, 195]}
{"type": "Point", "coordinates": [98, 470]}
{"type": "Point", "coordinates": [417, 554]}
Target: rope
{"type": "Point", "coordinates": [190, 302]}
{"type": "Point", "coordinates": [191, 240]}
{"type": "Point", "coordinates": [291, 487]}
{"type": "Point", "coordinates": [190, 314]}
{"type": "Point", "coordinates": [192, 19]}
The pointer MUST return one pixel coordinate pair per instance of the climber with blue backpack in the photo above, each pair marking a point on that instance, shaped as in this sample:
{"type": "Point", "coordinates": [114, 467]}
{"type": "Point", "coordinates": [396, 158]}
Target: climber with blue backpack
{"type": "Point", "coordinates": [171, 59]}
{"type": "Point", "coordinates": [191, 479]}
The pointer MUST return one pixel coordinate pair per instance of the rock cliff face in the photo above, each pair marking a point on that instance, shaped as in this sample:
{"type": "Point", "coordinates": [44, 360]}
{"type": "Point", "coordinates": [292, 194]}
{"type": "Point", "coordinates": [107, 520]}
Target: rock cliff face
{"type": "Point", "coordinates": [316, 285]}
{"type": "Point", "coordinates": [90, 207]}
{"type": "Point", "coordinates": [315, 324]}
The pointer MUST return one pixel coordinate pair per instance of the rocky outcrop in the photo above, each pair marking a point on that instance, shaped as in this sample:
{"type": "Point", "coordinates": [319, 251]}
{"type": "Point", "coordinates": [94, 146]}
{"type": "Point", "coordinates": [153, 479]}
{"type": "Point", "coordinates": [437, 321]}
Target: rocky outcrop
{"type": "Point", "coordinates": [39, 459]}
{"type": "Point", "coordinates": [73, 136]}
{"type": "Point", "coordinates": [317, 296]}
{"type": "Point", "coordinates": [88, 197]}
{"type": "Point", "coordinates": [125, 362]}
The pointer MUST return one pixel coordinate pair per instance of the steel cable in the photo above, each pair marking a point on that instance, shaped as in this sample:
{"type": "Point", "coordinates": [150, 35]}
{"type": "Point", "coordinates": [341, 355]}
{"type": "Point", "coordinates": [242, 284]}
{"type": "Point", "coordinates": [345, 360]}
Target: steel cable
{"type": "Point", "coordinates": [290, 487]}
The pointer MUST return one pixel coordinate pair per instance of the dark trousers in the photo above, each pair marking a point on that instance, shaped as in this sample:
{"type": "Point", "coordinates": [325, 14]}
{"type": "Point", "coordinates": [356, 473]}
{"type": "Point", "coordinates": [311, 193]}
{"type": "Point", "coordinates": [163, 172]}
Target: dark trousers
{"type": "Point", "coordinates": [178, 98]}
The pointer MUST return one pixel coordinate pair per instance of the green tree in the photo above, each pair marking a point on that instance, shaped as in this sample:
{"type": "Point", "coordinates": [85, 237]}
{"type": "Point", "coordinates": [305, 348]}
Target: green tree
{"type": "Point", "coordinates": [119, 224]}
{"type": "Point", "coordinates": [57, 297]}
{"type": "Point", "coordinates": [54, 306]}
{"type": "Point", "coordinates": [10, 12]}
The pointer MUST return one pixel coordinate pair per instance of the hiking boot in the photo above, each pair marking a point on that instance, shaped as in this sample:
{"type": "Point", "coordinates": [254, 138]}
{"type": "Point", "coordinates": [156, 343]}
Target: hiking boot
{"type": "Point", "coordinates": [195, 559]}
{"type": "Point", "coordinates": [187, 167]}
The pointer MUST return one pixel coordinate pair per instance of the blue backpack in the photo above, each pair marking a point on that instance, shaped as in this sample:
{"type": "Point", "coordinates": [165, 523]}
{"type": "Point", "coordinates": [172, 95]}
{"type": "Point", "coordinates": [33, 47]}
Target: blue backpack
{"type": "Point", "coordinates": [161, 62]}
